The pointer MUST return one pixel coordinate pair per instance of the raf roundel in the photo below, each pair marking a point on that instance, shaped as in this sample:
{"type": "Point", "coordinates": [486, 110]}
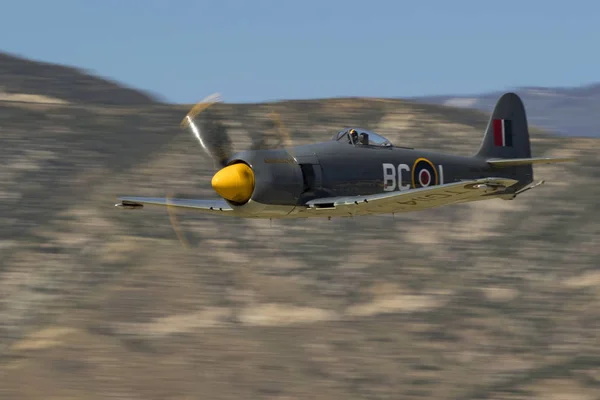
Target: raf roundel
{"type": "Point", "coordinates": [424, 173]}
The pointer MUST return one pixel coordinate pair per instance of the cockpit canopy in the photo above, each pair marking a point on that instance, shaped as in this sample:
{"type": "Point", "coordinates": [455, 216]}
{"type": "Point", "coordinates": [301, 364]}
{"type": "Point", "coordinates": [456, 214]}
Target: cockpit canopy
{"type": "Point", "coordinates": [363, 137]}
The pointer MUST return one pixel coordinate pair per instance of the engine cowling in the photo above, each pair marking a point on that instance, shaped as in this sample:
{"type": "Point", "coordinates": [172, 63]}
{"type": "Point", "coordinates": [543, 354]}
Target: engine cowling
{"type": "Point", "coordinates": [257, 180]}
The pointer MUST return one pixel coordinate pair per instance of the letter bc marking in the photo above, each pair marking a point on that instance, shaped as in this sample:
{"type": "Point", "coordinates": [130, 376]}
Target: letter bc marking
{"type": "Point", "coordinates": [424, 174]}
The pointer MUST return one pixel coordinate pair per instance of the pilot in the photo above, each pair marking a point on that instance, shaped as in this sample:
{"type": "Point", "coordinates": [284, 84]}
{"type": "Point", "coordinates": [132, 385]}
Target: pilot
{"type": "Point", "coordinates": [353, 136]}
{"type": "Point", "coordinates": [364, 138]}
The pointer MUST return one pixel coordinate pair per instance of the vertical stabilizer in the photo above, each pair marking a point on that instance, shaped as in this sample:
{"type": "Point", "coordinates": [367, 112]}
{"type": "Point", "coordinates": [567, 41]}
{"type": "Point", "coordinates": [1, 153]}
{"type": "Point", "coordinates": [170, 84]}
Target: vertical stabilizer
{"type": "Point", "coordinates": [507, 135]}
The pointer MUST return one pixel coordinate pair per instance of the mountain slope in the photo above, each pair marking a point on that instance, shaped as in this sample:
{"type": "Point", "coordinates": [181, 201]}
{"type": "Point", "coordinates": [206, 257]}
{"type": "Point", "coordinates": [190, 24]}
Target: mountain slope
{"type": "Point", "coordinates": [567, 111]}
{"type": "Point", "coordinates": [21, 76]}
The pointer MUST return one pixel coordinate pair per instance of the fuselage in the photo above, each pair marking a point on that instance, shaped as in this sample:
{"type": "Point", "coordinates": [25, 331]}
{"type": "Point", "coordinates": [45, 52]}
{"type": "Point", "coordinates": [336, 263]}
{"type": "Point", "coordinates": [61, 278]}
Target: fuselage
{"type": "Point", "coordinates": [287, 178]}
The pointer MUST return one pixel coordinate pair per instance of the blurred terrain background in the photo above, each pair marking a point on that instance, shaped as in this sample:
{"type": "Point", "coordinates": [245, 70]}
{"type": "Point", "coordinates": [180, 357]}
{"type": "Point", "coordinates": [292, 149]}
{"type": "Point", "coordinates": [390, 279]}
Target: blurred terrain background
{"type": "Point", "coordinates": [495, 299]}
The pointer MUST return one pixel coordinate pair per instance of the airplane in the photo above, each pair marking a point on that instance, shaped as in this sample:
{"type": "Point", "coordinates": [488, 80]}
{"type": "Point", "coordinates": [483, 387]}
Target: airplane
{"type": "Point", "coordinates": [357, 172]}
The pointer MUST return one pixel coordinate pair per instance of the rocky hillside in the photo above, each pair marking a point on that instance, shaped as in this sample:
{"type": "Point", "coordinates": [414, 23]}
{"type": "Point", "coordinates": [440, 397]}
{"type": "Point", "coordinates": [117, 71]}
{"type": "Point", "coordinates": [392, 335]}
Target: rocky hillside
{"type": "Point", "coordinates": [35, 81]}
{"type": "Point", "coordinates": [569, 111]}
{"type": "Point", "coordinates": [491, 300]}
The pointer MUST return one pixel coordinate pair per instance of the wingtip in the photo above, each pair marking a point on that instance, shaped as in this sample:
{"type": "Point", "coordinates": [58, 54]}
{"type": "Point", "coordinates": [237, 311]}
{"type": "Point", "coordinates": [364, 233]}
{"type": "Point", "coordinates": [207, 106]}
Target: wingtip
{"type": "Point", "coordinates": [129, 205]}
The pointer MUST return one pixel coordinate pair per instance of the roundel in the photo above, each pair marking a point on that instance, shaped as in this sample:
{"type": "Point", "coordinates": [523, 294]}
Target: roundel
{"type": "Point", "coordinates": [424, 173]}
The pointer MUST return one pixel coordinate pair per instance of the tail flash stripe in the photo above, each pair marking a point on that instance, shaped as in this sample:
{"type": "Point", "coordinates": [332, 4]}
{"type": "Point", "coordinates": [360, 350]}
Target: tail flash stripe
{"type": "Point", "coordinates": [508, 140]}
{"type": "Point", "coordinates": [498, 132]}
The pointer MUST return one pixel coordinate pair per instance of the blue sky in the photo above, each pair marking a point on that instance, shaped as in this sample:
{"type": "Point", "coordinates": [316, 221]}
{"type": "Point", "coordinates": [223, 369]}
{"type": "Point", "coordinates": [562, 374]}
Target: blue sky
{"type": "Point", "coordinates": [279, 49]}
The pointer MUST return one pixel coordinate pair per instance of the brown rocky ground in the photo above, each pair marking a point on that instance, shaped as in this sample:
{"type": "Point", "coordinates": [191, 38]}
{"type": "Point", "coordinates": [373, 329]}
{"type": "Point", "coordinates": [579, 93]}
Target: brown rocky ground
{"type": "Point", "coordinates": [492, 300]}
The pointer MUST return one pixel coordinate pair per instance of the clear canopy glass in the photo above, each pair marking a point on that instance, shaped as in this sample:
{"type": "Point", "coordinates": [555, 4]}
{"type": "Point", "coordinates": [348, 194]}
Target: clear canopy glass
{"type": "Point", "coordinates": [358, 136]}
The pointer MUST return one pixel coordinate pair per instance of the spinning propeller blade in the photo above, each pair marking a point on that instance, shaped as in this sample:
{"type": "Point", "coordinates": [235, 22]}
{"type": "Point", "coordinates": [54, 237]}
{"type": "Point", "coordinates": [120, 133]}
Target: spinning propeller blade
{"type": "Point", "coordinates": [284, 134]}
{"type": "Point", "coordinates": [175, 224]}
{"type": "Point", "coordinates": [208, 129]}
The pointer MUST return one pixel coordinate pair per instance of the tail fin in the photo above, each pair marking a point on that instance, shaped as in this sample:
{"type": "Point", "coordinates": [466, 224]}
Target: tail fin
{"type": "Point", "coordinates": [507, 136]}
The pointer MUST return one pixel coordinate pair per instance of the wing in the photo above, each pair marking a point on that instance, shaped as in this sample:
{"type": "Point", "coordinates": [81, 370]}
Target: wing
{"type": "Point", "coordinates": [210, 206]}
{"type": "Point", "coordinates": [414, 199]}
{"type": "Point", "coordinates": [514, 162]}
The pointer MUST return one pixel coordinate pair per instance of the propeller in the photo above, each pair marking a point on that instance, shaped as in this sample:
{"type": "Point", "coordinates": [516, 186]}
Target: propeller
{"type": "Point", "coordinates": [207, 127]}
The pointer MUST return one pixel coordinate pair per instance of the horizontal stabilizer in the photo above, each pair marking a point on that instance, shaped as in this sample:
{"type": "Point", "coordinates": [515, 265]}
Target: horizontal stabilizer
{"type": "Point", "coordinates": [515, 162]}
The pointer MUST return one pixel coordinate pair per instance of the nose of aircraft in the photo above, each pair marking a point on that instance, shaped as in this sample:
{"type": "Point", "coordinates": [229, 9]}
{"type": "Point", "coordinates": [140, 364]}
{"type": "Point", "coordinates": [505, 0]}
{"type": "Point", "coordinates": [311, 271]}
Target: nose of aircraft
{"type": "Point", "coordinates": [234, 182]}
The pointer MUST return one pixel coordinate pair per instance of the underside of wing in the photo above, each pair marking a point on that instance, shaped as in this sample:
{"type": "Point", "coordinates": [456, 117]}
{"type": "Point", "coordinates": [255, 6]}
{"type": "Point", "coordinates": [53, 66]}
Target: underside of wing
{"type": "Point", "coordinates": [210, 206]}
{"type": "Point", "coordinates": [414, 199]}
{"type": "Point", "coordinates": [515, 162]}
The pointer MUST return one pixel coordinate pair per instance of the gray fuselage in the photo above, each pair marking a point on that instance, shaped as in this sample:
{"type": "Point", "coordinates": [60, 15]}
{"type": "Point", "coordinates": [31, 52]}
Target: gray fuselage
{"type": "Point", "coordinates": [288, 178]}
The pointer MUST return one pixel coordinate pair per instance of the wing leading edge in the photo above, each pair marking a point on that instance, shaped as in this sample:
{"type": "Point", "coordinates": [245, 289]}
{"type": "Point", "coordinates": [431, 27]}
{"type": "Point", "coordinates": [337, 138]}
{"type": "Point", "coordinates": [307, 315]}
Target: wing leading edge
{"type": "Point", "coordinates": [210, 206]}
{"type": "Point", "coordinates": [415, 199]}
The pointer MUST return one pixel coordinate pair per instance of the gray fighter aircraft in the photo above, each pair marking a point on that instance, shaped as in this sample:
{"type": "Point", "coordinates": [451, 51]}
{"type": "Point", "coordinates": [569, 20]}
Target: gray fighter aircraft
{"type": "Point", "coordinates": [358, 172]}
